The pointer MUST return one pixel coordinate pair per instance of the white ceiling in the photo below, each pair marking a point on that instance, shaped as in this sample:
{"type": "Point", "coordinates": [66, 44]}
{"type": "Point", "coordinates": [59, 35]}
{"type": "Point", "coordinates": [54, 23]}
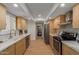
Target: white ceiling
{"type": "Point", "coordinates": [39, 8]}
{"type": "Point", "coordinates": [32, 10]}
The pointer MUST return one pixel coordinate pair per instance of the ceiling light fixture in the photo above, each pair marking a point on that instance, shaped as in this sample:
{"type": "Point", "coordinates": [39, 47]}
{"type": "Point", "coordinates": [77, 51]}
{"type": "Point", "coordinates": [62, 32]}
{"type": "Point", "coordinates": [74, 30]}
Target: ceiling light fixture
{"type": "Point", "coordinates": [62, 5]}
{"type": "Point", "coordinates": [50, 18]}
{"type": "Point", "coordinates": [39, 15]}
{"type": "Point", "coordinates": [15, 5]}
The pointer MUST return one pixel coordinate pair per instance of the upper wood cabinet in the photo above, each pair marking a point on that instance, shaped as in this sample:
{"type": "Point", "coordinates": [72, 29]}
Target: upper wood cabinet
{"type": "Point", "coordinates": [18, 23]}
{"type": "Point", "coordinates": [24, 24]}
{"type": "Point", "coordinates": [75, 22]}
{"type": "Point", "coordinates": [62, 19]}
{"type": "Point", "coordinates": [57, 23]}
{"type": "Point", "coordinates": [2, 17]}
{"type": "Point", "coordinates": [21, 23]}
{"type": "Point", "coordinates": [51, 25]}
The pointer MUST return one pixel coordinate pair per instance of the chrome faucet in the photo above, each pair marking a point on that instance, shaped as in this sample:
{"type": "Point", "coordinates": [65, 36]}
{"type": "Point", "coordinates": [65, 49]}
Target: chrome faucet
{"type": "Point", "coordinates": [11, 33]}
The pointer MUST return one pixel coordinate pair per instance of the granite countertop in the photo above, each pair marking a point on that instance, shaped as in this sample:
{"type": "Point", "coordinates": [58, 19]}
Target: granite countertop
{"type": "Point", "coordinates": [11, 41]}
{"type": "Point", "coordinates": [72, 44]}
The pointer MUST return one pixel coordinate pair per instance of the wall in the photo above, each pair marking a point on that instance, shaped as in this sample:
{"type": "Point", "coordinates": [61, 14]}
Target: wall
{"type": "Point", "coordinates": [32, 29]}
{"type": "Point", "coordinates": [69, 28]}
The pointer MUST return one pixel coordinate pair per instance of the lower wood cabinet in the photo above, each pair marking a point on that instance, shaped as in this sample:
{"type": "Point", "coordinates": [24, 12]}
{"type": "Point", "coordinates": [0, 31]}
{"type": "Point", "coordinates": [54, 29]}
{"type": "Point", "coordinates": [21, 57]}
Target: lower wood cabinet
{"type": "Point", "coordinates": [51, 41]}
{"type": "Point", "coordinates": [27, 41]}
{"type": "Point", "coordinates": [66, 50]}
{"type": "Point", "coordinates": [9, 51]}
{"type": "Point", "coordinates": [20, 47]}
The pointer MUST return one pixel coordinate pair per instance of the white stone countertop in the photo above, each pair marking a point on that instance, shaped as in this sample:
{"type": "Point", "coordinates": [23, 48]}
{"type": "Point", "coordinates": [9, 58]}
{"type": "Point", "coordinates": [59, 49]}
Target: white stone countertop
{"type": "Point", "coordinates": [72, 44]}
{"type": "Point", "coordinates": [11, 41]}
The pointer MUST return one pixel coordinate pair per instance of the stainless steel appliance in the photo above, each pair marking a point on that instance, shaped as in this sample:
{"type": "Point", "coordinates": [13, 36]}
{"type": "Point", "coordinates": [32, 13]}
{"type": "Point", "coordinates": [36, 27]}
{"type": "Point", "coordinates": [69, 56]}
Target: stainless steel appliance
{"type": "Point", "coordinates": [46, 33]}
{"type": "Point", "coordinates": [57, 41]}
{"type": "Point", "coordinates": [57, 44]}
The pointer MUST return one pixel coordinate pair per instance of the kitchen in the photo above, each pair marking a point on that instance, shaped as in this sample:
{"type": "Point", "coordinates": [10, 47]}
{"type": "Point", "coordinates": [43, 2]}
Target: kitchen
{"type": "Point", "coordinates": [60, 29]}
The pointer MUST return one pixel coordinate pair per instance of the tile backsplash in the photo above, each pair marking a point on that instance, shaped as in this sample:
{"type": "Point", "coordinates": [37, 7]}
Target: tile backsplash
{"type": "Point", "coordinates": [69, 28]}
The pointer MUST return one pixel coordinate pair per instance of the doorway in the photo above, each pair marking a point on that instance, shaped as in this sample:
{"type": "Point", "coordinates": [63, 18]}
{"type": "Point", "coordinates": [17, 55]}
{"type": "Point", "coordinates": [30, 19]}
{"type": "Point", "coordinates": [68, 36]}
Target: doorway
{"type": "Point", "coordinates": [39, 30]}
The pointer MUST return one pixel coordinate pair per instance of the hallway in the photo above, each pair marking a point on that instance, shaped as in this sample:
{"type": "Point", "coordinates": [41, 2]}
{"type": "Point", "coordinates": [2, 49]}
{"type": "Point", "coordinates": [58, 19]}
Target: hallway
{"type": "Point", "coordinates": [38, 47]}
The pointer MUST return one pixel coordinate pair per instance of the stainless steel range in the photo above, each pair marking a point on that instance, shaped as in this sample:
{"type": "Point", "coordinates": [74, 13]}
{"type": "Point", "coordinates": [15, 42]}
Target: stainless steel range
{"type": "Point", "coordinates": [57, 41]}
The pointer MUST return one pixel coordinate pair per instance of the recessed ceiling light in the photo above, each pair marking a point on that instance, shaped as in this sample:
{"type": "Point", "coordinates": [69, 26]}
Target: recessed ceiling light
{"type": "Point", "coordinates": [39, 15]}
{"type": "Point", "coordinates": [50, 18]}
{"type": "Point", "coordinates": [62, 5]}
{"type": "Point", "coordinates": [15, 5]}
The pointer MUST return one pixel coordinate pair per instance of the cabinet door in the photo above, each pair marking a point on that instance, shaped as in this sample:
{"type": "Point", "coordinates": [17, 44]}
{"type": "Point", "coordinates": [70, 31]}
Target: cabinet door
{"type": "Point", "coordinates": [24, 24]}
{"type": "Point", "coordinates": [18, 23]}
{"type": "Point", "coordinates": [20, 47]}
{"type": "Point", "coordinates": [51, 27]}
{"type": "Point", "coordinates": [27, 41]}
{"type": "Point", "coordinates": [2, 17]}
{"type": "Point", "coordinates": [76, 16]}
{"type": "Point", "coordinates": [9, 51]}
{"type": "Point", "coordinates": [51, 41]}
{"type": "Point", "coordinates": [57, 23]}
{"type": "Point", "coordinates": [68, 51]}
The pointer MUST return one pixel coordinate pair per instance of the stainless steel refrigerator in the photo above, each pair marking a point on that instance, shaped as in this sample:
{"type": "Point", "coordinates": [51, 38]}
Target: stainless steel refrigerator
{"type": "Point", "coordinates": [46, 33]}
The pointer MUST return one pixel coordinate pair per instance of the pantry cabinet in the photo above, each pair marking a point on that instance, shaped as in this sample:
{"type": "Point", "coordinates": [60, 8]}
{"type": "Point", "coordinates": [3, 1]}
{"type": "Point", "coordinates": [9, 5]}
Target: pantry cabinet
{"type": "Point", "coordinates": [51, 26]}
{"type": "Point", "coordinates": [9, 51]}
{"type": "Point", "coordinates": [75, 22]}
{"type": "Point", "coordinates": [20, 47]}
{"type": "Point", "coordinates": [57, 23]}
{"type": "Point", "coordinates": [2, 17]}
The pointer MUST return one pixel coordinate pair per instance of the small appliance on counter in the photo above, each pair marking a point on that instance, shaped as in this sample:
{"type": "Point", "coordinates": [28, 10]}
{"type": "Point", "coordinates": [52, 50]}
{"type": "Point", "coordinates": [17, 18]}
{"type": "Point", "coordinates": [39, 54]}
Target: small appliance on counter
{"type": "Point", "coordinates": [20, 32]}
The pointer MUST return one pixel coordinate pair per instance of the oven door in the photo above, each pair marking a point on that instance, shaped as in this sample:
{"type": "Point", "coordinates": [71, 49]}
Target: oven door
{"type": "Point", "coordinates": [57, 47]}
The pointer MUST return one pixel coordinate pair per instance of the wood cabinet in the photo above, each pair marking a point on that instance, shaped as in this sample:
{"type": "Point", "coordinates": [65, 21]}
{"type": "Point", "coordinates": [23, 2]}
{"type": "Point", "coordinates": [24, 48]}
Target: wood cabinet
{"type": "Point", "coordinates": [27, 41]}
{"type": "Point", "coordinates": [51, 26]}
{"type": "Point", "coordinates": [62, 19]}
{"type": "Point", "coordinates": [17, 48]}
{"type": "Point", "coordinates": [24, 24]}
{"type": "Point", "coordinates": [58, 21]}
{"type": "Point", "coordinates": [75, 22]}
{"type": "Point", "coordinates": [2, 17]}
{"type": "Point", "coordinates": [20, 47]}
{"type": "Point", "coordinates": [66, 50]}
{"type": "Point", "coordinates": [9, 51]}
{"type": "Point", "coordinates": [21, 23]}
{"type": "Point", "coordinates": [18, 23]}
